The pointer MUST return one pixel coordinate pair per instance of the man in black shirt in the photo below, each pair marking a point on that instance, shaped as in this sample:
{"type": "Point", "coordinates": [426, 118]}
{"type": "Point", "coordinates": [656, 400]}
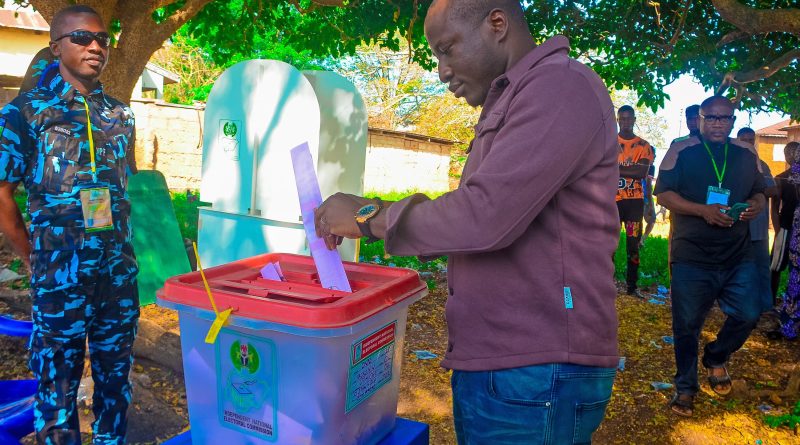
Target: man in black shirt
{"type": "Point", "coordinates": [700, 181]}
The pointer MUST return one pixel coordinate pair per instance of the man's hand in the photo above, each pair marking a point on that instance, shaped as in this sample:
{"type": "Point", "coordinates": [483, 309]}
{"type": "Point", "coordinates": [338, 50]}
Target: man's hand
{"type": "Point", "coordinates": [751, 213]}
{"type": "Point", "coordinates": [335, 218]}
{"type": "Point", "coordinates": [11, 223]}
{"type": "Point", "coordinates": [713, 215]}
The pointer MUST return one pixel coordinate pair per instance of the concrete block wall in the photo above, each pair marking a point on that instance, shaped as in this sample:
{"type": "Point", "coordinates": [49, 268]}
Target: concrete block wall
{"type": "Point", "coordinates": [169, 138]}
{"type": "Point", "coordinates": [400, 163]}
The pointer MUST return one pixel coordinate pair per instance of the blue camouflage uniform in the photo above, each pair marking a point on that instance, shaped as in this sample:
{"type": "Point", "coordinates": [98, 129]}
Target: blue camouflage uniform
{"type": "Point", "coordinates": [83, 284]}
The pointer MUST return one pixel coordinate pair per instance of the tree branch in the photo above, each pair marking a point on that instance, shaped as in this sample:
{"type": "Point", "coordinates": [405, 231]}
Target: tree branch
{"type": "Point", "coordinates": [679, 29]}
{"type": "Point", "coordinates": [732, 37]}
{"type": "Point", "coordinates": [768, 69]}
{"type": "Point", "coordinates": [758, 21]}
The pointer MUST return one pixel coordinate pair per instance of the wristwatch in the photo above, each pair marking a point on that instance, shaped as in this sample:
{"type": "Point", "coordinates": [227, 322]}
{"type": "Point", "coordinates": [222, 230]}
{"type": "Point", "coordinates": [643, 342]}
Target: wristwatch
{"type": "Point", "coordinates": [364, 215]}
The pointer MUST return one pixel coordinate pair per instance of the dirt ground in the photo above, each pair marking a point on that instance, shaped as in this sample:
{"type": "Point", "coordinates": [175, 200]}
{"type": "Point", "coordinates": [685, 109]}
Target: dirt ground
{"type": "Point", "coordinates": [766, 377]}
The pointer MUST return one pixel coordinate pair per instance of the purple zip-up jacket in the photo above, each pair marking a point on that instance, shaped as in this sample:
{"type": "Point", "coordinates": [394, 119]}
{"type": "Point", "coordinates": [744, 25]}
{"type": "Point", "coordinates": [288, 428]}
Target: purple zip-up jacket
{"type": "Point", "coordinates": [531, 230]}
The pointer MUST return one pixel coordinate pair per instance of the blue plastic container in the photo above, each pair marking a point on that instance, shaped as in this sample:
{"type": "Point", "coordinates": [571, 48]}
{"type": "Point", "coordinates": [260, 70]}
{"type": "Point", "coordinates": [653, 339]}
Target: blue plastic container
{"type": "Point", "coordinates": [15, 328]}
{"type": "Point", "coordinates": [16, 409]}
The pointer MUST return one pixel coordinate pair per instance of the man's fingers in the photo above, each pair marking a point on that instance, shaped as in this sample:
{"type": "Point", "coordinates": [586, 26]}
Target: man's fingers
{"type": "Point", "coordinates": [317, 218]}
{"type": "Point", "coordinates": [328, 242]}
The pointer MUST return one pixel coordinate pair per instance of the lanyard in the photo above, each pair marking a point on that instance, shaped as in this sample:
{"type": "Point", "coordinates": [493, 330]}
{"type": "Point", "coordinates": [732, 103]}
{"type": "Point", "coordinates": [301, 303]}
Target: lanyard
{"type": "Point", "coordinates": [91, 139]}
{"type": "Point", "coordinates": [720, 176]}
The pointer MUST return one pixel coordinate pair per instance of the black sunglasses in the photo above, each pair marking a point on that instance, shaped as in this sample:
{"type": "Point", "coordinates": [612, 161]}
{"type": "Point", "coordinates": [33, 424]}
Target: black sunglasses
{"type": "Point", "coordinates": [84, 38]}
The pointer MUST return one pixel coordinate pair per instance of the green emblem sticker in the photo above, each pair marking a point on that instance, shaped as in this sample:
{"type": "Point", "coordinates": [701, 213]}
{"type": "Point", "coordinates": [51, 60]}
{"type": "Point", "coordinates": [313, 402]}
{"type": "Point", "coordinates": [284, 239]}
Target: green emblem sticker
{"type": "Point", "coordinates": [246, 384]}
{"type": "Point", "coordinates": [229, 138]}
{"type": "Point", "coordinates": [229, 129]}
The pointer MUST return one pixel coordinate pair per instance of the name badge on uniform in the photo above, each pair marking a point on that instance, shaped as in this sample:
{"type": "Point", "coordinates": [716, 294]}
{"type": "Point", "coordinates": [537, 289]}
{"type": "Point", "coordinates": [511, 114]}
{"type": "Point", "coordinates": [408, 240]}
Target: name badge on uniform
{"type": "Point", "coordinates": [718, 195]}
{"type": "Point", "coordinates": [96, 206]}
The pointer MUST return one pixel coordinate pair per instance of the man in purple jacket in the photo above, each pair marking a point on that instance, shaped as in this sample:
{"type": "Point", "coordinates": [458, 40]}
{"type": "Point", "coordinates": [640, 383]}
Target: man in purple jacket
{"type": "Point", "coordinates": [529, 233]}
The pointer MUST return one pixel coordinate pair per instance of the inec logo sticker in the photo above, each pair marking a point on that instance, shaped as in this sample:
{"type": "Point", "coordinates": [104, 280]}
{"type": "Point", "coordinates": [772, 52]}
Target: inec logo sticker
{"type": "Point", "coordinates": [229, 138]}
{"type": "Point", "coordinates": [230, 129]}
{"type": "Point", "coordinates": [247, 388]}
{"type": "Point", "coordinates": [244, 357]}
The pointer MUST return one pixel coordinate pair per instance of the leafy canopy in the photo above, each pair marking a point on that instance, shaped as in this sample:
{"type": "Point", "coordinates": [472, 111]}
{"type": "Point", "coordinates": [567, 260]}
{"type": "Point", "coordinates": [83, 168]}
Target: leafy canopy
{"type": "Point", "coordinates": [646, 45]}
{"type": "Point", "coordinates": [640, 44]}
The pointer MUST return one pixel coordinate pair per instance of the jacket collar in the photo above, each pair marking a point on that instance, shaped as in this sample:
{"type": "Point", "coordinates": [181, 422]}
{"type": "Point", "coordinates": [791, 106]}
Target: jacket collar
{"type": "Point", "coordinates": [67, 92]}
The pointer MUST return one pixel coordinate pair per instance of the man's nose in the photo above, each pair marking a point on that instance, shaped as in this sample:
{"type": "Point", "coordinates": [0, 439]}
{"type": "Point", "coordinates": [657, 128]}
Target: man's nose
{"type": "Point", "coordinates": [445, 73]}
{"type": "Point", "coordinates": [95, 47]}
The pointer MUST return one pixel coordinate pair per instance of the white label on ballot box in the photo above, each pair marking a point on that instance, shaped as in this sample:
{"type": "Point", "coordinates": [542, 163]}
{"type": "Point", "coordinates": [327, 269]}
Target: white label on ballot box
{"type": "Point", "coordinates": [247, 384]}
{"type": "Point", "coordinates": [371, 359]}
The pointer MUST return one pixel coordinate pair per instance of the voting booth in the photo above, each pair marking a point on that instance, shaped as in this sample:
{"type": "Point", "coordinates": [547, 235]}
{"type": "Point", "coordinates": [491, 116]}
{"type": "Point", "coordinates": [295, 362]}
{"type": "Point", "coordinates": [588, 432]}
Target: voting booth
{"type": "Point", "coordinates": [257, 111]}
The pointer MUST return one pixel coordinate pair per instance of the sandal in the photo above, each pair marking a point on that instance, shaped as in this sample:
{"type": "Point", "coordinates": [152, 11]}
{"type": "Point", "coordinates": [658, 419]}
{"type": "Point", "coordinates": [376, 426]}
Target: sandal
{"type": "Point", "coordinates": [682, 404]}
{"type": "Point", "coordinates": [717, 382]}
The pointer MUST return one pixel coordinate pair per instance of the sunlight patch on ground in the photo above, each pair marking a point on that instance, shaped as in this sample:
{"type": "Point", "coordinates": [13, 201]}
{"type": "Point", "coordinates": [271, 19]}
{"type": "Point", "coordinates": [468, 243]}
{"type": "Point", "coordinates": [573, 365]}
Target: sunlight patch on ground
{"type": "Point", "coordinates": [422, 400]}
{"type": "Point", "coordinates": [740, 429]}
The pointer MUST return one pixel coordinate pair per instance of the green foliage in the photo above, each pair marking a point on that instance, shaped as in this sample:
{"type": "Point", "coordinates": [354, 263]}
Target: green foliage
{"type": "Point", "coordinates": [790, 419]}
{"type": "Point", "coordinates": [641, 45]}
{"type": "Point", "coordinates": [653, 261]}
{"type": "Point", "coordinates": [649, 125]}
{"type": "Point", "coordinates": [375, 252]}
{"type": "Point", "coordinates": [647, 45]}
{"type": "Point", "coordinates": [187, 213]}
{"type": "Point", "coordinates": [236, 30]}
{"type": "Point", "coordinates": [16, 263]}
{"type": "Point", "coordinates": [21, 198]}
{"type": "Point", "coordinates": [397, 195]}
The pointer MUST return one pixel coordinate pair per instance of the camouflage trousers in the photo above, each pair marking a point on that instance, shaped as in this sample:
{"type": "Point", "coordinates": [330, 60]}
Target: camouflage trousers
{"type": "Point", "coordinates": [78, 294]}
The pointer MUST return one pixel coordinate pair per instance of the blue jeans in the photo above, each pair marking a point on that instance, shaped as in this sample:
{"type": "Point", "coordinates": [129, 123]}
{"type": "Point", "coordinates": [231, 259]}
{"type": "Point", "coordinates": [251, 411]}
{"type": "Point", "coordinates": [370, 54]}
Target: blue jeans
{"type": "Point", "coordinates": [558, 403]}
{"type": "Point", "coordinates": [760, 254]}
{"type": "Point", "coordinates": [694, 291]}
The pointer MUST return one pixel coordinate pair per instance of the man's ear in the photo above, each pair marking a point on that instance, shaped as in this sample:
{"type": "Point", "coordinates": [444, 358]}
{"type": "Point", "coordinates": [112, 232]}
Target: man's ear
{"type": "Point", "coordinates": [55, 49]}
{"type": "Point", "coordinates": [498, 23]}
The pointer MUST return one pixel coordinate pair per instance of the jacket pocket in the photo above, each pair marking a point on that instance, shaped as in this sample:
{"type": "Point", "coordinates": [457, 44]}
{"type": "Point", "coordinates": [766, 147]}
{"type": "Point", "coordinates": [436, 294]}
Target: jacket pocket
{"type": "Point", "coordinates": [492, 123]}
{"type": "Point", "coordinates": [53, 238]}
{"type": "Point", "coordinates": [59, 162]}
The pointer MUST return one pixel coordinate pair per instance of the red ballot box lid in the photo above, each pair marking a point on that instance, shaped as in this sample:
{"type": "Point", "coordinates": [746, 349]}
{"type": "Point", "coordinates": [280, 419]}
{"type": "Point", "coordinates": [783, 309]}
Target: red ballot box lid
{"type": "Point", "coordinates": [300, 300]}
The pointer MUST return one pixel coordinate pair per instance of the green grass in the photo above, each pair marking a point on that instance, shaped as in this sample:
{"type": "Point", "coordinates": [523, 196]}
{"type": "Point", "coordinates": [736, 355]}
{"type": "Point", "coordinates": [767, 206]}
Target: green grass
{"type": "Point", "coordinates": [187, 213]}
{"type": "Point", "coordinates": [397, 195]}
{"type": "Point", "coordinates": [790, 420]}
{"type": "Point", "coordinates": [21, 197]}
{"type": "Point", "coordinates": [653, 265]}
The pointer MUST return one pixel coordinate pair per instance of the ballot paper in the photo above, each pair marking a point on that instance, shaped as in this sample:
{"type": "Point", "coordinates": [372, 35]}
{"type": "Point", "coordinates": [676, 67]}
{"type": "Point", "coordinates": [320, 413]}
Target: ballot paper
{"type": "Point", "coordinates": [328, 262]}
{"type": "Point", "coordinates": [272, 271]}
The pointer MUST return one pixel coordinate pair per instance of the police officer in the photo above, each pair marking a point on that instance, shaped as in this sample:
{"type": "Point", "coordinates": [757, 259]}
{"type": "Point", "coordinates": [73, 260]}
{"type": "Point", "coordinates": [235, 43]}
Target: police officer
{"type": "Point", "coordinates": [67, 141]}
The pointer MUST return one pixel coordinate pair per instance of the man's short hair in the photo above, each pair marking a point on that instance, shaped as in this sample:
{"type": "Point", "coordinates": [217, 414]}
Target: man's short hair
{"type": "Point", "coordinates": [692, 111]}
{"type": "Point", "coordinates": [473, 11]}
{"type": "Point", "coordinates": [745, 130]}
{"type": "Point", "coordinates": [626, 109]}
{"type": "Point", "coordinates": [715, 99]}
{"type": "Point", "coordinates": [57, 23]}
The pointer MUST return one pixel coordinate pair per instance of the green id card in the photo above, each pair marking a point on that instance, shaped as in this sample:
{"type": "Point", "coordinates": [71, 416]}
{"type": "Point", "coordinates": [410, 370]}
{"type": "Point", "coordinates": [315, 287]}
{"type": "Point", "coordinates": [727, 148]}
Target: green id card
{"type": "Point", "coordinates": [718, 195]}
{"type": "Point", "coordinates": [96, 206]}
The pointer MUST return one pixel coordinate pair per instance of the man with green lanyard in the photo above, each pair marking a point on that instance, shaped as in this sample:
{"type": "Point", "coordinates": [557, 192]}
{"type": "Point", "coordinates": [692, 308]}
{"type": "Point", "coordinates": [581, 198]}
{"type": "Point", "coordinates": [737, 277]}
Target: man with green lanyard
{"type": "Point", "coordinates": [713, 187]}
{"type": "Point", "coordinates": [67, 142]}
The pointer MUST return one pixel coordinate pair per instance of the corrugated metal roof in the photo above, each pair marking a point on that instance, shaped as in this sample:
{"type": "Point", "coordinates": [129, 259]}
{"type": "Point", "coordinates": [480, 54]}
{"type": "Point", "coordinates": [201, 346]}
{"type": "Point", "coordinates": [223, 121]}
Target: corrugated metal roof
{"type": "Point", "coordinates": [775, 130]}
{"type": "Point", "coordinates": [21, 19]}
{"type": "Point", "coordinates": [168, 75]}
{"type": "Point", "coordinates": [413, 136]}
